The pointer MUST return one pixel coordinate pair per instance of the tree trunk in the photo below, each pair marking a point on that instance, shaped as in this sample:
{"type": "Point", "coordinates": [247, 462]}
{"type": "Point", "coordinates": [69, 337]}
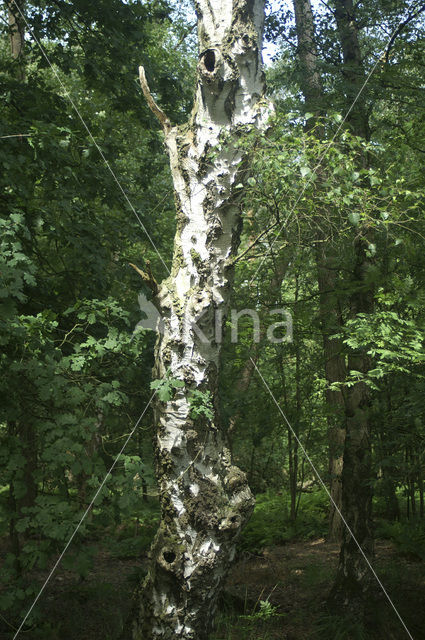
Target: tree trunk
{"type": "Point", "coordinates": [420, 479]}
{"type": "Point", "coordinates": [244, 381]}
{"type": "Point", "coordinates": [17, 35]}
{"type": "Point", "coordinates": [293, 442]}
{"type": "Point", "coordinates": [411, 478]}
{"type": "Point", "coordinates": [353, 580]}
{"type": "Point", "coordinates": [353, 70]}
{"type": "Point", "coordinates": [389, 469]}
{"type": "Point", "coordinates": [310, 78]}
{"type": "Point", "coordinates": [330, 322]}
{"type": "Point", "coordinates": [205, 500]}
{"type": "Point", "coordinates": [335, 371]}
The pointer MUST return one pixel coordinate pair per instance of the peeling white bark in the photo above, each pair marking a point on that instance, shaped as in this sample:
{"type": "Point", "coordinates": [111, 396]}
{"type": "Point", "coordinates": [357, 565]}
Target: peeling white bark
{"type": "Point", "coordinates": [204, 499]}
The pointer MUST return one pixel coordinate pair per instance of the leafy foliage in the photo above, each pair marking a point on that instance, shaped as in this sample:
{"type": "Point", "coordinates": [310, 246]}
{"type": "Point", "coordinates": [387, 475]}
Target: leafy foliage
{"type": "Point", "coordinates": [166, 387]}
{"type": "Point", "coordinates": [200, 403]}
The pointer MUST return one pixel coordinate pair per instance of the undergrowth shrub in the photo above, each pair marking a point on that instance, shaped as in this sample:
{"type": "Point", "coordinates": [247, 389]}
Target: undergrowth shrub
{"type": "Point", "coordinates": [270, 523]}
{"type": "Point", "coordinates": [408, 536]}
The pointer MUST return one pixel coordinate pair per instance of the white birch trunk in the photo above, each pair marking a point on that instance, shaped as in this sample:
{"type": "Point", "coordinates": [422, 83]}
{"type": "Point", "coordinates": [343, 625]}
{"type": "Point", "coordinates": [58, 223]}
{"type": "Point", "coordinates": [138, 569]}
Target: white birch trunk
{"type": "Point", "coordinates": [205, 500]}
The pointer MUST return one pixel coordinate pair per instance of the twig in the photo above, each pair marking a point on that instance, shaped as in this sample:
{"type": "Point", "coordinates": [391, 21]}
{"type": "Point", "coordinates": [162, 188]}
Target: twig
{"type": "Point", "coordinates": [16, 135]}
{"type": "Point", "coordinates": [254, 242]}
{"type": "Point", "coordinates": [186, 33]}
{"type": "Point", "coordinates": [157, 111]}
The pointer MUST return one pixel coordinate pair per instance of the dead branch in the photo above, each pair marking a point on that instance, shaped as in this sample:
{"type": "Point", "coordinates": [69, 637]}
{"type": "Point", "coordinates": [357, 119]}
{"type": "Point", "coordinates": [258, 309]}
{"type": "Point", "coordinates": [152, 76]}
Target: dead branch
{"type": "Point", "coordinates": [157, 111]}
{"type": "Point", "coordinates": [147, 277]}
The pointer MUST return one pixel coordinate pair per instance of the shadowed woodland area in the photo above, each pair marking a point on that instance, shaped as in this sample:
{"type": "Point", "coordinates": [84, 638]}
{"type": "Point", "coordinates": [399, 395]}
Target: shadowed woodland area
{"type": "Point", "coordinates": [305, 255]}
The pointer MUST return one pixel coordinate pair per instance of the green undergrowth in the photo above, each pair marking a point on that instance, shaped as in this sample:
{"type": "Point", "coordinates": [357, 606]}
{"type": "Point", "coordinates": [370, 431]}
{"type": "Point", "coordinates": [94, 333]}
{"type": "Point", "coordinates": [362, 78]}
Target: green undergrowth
{"type": "Point", "coordinates": [271, 524]}
{"type": "Point", "coordinates": [261, 622]}
{"type": "Point", "coordinates": [408, 536]}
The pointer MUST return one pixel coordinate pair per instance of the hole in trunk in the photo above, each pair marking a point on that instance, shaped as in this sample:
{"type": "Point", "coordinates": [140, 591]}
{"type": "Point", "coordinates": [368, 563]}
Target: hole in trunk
{"type": "Point", "coordinates": [169, 556]}
{"type": "Point", "coordinates": [209, 60]}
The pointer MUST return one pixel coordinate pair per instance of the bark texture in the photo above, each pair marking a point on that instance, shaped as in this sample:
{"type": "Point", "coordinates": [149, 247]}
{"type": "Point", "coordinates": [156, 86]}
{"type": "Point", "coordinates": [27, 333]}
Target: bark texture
{"type": "Point", "coordinates": [205, 500]}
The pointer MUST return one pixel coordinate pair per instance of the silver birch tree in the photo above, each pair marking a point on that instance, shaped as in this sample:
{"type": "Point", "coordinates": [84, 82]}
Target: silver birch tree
{"type": "Point", "coordinates": [205, 499]}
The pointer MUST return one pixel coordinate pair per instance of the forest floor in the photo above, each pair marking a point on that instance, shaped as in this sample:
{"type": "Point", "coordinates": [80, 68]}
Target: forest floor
{"type": "Point", "coordinates": [278, 594]}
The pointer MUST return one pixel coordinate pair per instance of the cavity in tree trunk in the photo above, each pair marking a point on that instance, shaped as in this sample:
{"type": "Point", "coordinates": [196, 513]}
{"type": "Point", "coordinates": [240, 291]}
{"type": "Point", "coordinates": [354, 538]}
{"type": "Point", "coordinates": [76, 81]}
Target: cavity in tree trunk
{"type": "Point", "coordinates": [205, 500]}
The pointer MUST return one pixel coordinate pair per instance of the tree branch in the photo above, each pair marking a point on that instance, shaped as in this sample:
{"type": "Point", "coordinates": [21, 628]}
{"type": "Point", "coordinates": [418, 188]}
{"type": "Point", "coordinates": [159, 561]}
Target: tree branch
{"type": "Point", "coordinates": [148, 277]}
{"type": "Point", "coordinates": [254, 242]}
{"type": "Point", "coordinates": [17, 135]}
{"type": "Point", "coordinates": [185, 34]}
{"type": "Point", "coordinates": [158, 113]}
{"type": "Point", "coordinates": [400, 28]}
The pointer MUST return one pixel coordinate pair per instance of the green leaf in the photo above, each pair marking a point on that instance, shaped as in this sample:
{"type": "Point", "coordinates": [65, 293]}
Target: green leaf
{"type": "Point", "coordinates": [354, 218]}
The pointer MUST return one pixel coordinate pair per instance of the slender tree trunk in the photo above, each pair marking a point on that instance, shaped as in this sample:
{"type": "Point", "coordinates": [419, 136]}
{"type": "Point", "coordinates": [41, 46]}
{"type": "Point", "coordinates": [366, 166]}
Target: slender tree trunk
{"type": "Point", "coordinates": [16, 26]}
{"type": "Point", "coordinates": [205, 500]}
{"type": "Point", "coordinates": [14, 540]}
{"type": "Point", "coordinates": [293, 442]}
{"type": "Point", "coordinates": [411, 478]}
{"type": "Point", "coordinates": [327, 275]}
{"type": "Point", "coordinates": [28, 439]}
{"type": "Point", "coordinates": [17, 35]}
{"type": "Point", "coordinates": [22, 432]}
{"type": "Point", "coordinates": [389, 471]}
{"type": "Point", "coordinates": [335, 371]}
{"type": "Point", "coordinates": [242, 384]}
{"type": "Point", "coordinates": [353, 580]}
{"type": "Point", "coordinates": [353, 70]}
{"type": "Point", "coordinates": [420, 479]}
